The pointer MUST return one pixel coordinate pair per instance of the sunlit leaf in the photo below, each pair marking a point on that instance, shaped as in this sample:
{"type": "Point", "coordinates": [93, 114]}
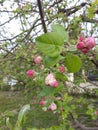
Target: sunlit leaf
{"type": "Point", "coordinates": [9, 125]}
{"type": "Point", "coordinates": [73, 63]}
{"type": "Point", "coordinates": [23, 112]}
{"type": "Point", "coordinates": [51, 61]}
{"type": "Point", "coordinates": [61, 31]}
{"type": "Point", "coordinates": [50, 44]}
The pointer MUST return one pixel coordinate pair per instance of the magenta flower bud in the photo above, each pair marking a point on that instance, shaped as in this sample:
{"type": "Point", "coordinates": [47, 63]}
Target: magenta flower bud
{"type": "Point", "coordinates": [86, 44]}
{"type": "Point", "coordinates": [80, 45]}
{"type": "Point", "coordinates": [81, 38]}
{"type": "Point", "coordinates": [62, 69]}
{"type": "Point", "coordinates": [85, 50]}
{"type": "Point", "coordinates": [30, 73]}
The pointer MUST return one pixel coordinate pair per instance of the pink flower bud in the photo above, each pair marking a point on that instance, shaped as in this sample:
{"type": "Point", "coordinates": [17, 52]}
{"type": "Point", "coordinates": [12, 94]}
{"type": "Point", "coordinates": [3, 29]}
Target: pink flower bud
{"type": "Point", "coordinates": [52, 107]}
{"type": "Point", "coordinates": [37, 59]}
{"type": "Point", "coordinates": [42, 67]}
{"type": "Point", "coordinates": [61, 108]}
{"type": "Point", "coordinates": [62, 69]}
{"type": "Point", "coordinates": [90, 42]}
{"type": "Point", "coordinates": [42, 102]}
{"type": "Point", "coordinates": [81, 38]}
{"type": "Point", "coordinates": [86, 44]}
{"type": "Point", "coordinates": [58, 98]}
{"type": "Point", "coordinates": [54, 83]}
{"type": "Point", "coordinates": [30, 73]}
{"type": "Point", "coordinates": [96, 112]}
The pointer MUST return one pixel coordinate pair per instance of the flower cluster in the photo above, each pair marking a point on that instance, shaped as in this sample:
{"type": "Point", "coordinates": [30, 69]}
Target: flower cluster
{"type": "Point", "coordinates": [86, 44]}
{"type": "Point", "coordinates": [51, 81]}
{"type": "Point", "coordinates": [51, 107]}
{"type": "Point", "coordinates": [37, 60]}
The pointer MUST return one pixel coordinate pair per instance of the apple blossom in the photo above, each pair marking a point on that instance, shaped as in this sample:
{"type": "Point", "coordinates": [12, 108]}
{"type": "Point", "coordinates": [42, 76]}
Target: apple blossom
{"type": "Point", "coordinates": [51, 81]}
{"type": "Point", "coordinates": [54, 83]}
{"type": "Point", "coordinates": [52, 107]}
{"type": "Point", "coordinates": [37, 59]}
{"type": "Point", "coordinates": [30, 73]}
{"type": "Point", "coordinates": [49, 78]}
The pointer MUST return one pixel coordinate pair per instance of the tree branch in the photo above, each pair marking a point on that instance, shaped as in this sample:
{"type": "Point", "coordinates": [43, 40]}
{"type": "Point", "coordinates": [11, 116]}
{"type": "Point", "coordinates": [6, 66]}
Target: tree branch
{"type": "Point", "coordinates": [42, 15]}
{"type": "Point", "coordinates": [79, 125]}
{"type": "Point", "coordinates": [73, 9]}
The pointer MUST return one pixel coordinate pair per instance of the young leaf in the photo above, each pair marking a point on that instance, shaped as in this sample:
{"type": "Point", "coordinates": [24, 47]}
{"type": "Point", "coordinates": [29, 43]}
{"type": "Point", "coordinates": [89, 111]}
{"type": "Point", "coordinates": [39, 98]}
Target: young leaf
{"type": "Point", "coordinates": [50, 44]}
{"type": "Point", "coordinates": [61, 31]}
{"type": "Point", "coordinates": [22, 113]}
{"type": "Point", "coordinates": [9, 125]}
{"type": "Point", "coordinates": [51, 61]}
{"type": "Point", "coordinates": [73, 63]}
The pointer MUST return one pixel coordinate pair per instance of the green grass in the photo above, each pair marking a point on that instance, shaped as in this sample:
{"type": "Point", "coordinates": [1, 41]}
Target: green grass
{"type": "Point", "coordinates": [13, 101]}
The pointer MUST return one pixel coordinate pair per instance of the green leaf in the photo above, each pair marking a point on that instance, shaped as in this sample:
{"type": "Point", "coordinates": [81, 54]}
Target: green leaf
{"type": "Point", "coordinates": [22, 113]}
{"type": "Point", "coordinates": [9, 125]}
{"type": "Point", "coordinates": [91, 12]}
{"type": "Point", "coordinates": [73, 63]}
{"type": "Point", "coordinates": [51, 61]}
{"type": "Point", "coordinates": [50, 44]}
{"type": "Point", "coordinates": [47, 91]}
{"type": "Point", "coordinates": [92, 9]}
{"type": "Point", "coordinates": [61, 76]}
{"type": "Point", "coordinates": [61, 31]}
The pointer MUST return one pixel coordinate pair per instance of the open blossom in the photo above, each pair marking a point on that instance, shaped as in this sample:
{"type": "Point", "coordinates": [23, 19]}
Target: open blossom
{"type": "Point", "coordinates": [54, 83]}
{"type": "Point", "coordinates": [49, 78]}
{"type": "Point", "coordinates": [52, 107]}
{"type": "Point", "coordinates": [37, 59]}
{"type": "Point", "coordinates": [85, 44]}
{"type": "Point", "coordinates": [30, 73]}
{"type": "Point", "coordinates": [51, 81]}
